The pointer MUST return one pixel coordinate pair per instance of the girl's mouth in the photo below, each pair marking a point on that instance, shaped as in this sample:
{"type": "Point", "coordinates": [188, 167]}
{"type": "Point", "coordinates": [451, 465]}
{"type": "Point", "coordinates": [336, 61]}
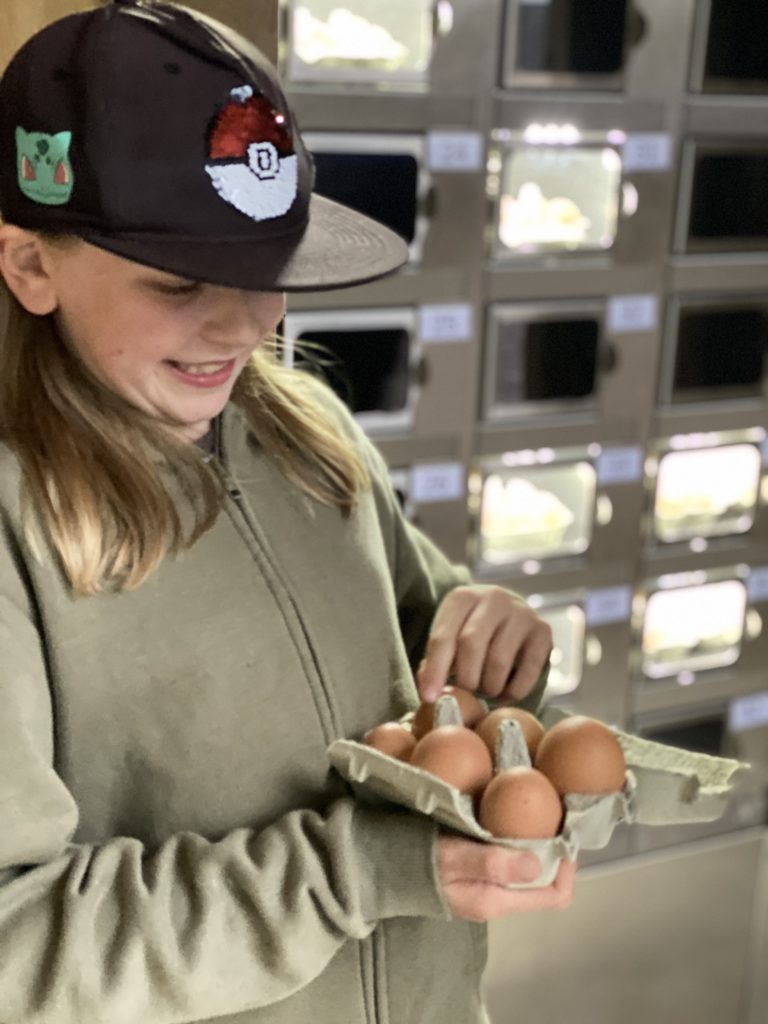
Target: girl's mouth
{"type": "Point", "coordinates": [202, 375]}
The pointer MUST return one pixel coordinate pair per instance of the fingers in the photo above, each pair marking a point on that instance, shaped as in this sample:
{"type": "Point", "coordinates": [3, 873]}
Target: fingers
{"type": "Point", "coordinates": [488, 640]}
{"type": "Point", "coordinates": [443, 638]}
{"type": "Point", "coordinates": [474, 887]}
{"type": "Point", "coordinates": [465, 860]}
{"type": "Point", "coordinates": [533, 656]}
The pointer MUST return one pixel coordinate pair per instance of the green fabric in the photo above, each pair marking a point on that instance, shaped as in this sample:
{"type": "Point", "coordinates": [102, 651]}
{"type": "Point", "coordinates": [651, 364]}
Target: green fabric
{"type": "Point", "coordinates": [174, 846]}
{"type": "Point", "coordinates": [45, 173]}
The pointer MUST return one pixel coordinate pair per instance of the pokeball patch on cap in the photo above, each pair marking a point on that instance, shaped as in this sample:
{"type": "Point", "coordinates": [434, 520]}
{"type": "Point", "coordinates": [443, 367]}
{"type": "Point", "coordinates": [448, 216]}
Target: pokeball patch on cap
{"type": "Point", "coordinates": [45, 172]}
{"type": "Point", "coordinates": [251, 162]}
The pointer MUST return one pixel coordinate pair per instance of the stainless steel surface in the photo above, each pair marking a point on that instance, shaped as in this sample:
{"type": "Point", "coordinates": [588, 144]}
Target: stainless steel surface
{"type": "Point", "coordinates": [663, 938]}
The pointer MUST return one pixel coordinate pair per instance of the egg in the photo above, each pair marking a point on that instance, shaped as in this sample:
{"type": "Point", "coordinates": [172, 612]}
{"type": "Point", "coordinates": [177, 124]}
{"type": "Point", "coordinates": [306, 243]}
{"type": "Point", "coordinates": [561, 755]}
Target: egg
{"type": "Point", "coordinates": [582, 755]}
{"type": "Point", "coordinates": [521, 803]}
{"type": "Point", "coordinates": [456, 755]}
{"type": "Point", "coordinates": [471, 709]}
{"type": "Point", "coordinates": [488, 728]}
{"type": "Point", "coordinates": [391, 738]}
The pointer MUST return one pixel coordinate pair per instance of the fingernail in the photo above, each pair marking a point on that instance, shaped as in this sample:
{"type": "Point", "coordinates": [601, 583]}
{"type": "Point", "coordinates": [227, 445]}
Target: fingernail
{"type": "Point", "coordinates": [431, 694]}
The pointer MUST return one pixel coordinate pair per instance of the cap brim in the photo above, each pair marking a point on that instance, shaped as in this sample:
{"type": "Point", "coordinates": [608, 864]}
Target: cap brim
{"type": "Point", "coordinates": [339, 247]}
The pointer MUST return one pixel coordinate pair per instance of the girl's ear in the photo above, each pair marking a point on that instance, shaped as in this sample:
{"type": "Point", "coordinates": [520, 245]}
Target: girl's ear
{"type": "Point", "coordinates": [25, 267]}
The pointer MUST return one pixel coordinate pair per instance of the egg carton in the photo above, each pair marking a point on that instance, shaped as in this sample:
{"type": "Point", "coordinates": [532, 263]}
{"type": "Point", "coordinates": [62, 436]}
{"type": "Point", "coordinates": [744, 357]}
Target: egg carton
{"type": "Point", "coordinates": [663, 786]}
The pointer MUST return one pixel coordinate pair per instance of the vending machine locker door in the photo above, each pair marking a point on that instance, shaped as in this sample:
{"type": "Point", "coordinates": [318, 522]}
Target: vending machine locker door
{"type": "Point", "coordinates": [728, 54]}
{"type": "Point", "coordinates": [715, 350]}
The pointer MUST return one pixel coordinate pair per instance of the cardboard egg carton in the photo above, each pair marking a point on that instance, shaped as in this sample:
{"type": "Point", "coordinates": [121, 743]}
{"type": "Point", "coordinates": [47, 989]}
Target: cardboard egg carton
{"type": "Point", "coordinates": [663, 786]}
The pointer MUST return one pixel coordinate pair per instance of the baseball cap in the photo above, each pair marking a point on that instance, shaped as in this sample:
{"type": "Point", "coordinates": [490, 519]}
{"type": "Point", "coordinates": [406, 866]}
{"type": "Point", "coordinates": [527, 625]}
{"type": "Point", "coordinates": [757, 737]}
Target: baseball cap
{"type": "Point", "coordinates": [163, 136]}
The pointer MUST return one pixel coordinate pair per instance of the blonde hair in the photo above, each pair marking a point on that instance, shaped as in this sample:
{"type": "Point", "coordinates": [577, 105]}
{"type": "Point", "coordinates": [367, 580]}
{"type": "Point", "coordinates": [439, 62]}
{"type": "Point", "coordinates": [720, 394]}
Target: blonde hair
{"type": "Point", "coordinates": [90, 469]}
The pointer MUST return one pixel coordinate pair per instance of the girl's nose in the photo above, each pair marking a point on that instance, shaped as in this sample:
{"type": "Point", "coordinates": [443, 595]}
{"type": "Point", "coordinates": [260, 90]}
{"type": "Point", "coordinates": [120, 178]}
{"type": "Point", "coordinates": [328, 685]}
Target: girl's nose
{"type": "Point", "coordinates": [240, 316]}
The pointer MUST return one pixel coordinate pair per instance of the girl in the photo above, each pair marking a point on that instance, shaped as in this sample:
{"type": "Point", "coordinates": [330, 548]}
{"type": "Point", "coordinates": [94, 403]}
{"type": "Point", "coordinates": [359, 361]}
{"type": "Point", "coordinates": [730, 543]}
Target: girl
{"type": "Point", "coordinates": [205, 577]}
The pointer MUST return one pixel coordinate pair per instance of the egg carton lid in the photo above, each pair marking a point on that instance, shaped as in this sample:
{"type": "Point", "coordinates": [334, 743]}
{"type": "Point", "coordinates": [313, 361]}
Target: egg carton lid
{"type": "Point", "coordinates": [665, 786]}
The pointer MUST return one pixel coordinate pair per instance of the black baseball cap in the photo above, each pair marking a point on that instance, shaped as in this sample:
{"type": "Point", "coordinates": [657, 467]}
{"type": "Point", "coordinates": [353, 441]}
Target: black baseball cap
{"type": "Point", "coordinates": [159, 134]}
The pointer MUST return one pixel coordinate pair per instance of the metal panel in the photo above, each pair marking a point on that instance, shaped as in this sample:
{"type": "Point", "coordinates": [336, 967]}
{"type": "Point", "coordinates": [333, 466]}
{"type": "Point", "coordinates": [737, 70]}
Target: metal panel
{"type": "Point", "coordinates": [663, 938]}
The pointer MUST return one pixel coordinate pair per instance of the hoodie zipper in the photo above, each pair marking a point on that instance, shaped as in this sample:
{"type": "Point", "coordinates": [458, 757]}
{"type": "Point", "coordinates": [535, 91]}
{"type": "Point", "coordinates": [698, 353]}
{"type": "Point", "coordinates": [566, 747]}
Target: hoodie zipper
{"type": "Point", "coordinates": [330, 724]}
{"type": "Point", "coordinates": [370, 947]}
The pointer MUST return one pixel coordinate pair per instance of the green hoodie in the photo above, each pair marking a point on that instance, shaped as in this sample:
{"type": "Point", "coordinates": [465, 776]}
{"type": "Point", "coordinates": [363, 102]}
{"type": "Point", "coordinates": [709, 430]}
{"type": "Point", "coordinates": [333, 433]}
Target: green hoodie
{"type": "Point", "coordinates": [173, 845]}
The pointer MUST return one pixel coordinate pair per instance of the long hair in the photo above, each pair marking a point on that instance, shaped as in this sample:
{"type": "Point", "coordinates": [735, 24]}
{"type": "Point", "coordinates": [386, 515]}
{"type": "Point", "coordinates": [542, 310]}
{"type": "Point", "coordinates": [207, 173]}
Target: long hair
{"type": "Point", "coordinates": [102, 478]}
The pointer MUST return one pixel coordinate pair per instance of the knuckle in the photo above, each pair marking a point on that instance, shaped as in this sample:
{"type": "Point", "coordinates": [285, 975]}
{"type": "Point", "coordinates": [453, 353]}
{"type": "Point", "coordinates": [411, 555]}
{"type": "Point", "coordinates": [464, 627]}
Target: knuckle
{"type": "Point", "coordinates": [437, 639]}
{"type": "Point", "coordinates": [498, 664]}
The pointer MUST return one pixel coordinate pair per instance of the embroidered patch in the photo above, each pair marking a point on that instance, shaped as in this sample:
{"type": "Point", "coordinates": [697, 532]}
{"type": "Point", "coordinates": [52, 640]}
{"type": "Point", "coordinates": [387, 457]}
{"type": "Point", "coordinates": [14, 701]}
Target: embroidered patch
{"type": "Point", "coordinates": [252, 163]}
{"type": "Point", "coordinates": [45, 171]}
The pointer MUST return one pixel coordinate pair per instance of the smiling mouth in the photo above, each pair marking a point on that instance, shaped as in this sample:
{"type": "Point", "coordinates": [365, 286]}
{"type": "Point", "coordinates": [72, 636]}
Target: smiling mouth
{"type": "Point", "coordinates": [201, 369]}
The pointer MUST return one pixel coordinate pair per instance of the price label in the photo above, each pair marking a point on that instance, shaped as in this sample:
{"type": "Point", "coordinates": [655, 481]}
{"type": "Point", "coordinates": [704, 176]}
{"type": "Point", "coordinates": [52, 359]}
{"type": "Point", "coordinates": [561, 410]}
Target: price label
{"type": "Point", "coordinates": [749, 712]}
{"type": "Point", "coordinates": [455, 151]}
{"type": "Point", "coordinates": [631, 314]}
{"type": "Point", "coordinates": [648, 151]}
{"type": "Point", "coordinates": [757, 584]}
{"type": "Point", "coordinates": [442, 481]}
{"type": "Point", "coordinates": [448, 322]}
{"type": "Point", "coordinates": [620, 465]}
{"type": "Point", "coordinates": [607, 605]}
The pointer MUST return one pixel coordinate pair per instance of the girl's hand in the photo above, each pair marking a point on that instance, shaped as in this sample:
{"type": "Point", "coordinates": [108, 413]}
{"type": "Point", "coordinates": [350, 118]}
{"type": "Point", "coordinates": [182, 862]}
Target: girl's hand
{"type": "Point", "coordinates": [488, 640]}
{"type": "Point", "coordinates": [474, 877]}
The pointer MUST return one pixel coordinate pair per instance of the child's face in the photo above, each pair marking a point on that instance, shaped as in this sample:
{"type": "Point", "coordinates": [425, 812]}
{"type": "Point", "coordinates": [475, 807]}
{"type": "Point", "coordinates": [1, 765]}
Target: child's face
{"type": "Point", "coordinates": [130, 325]}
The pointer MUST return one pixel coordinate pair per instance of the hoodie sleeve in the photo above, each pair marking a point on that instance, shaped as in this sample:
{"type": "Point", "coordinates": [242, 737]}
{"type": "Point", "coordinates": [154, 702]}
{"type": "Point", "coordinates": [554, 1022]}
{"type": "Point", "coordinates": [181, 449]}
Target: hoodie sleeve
{"type": "Point", "coordinates": [190, 930]}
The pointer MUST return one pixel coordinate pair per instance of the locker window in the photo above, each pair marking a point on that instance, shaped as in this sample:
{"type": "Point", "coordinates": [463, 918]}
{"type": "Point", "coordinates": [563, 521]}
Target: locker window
{"type": "Point", "coordinates": [367, 368]}
{"type": "Point", "coordinates": [546, 360]}
{"type": "Point", "coordinates": [693, 628]}
{"type": "Point", "coordinates": [700, 736]}
{"type": "Point", "coordinates": [383, 186]}
{"type": "Point", "coordinates": [719, 349]}
{"type": "Point", "coordinates": [578, 36]}
{"type": "Point", "coordinates": [736, 42]}
{"type": "Point", "coordinates": [728, 197]}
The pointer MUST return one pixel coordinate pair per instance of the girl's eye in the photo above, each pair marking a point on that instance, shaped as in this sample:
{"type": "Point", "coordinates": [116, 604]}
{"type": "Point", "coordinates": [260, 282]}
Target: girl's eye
{"type": "Point", "coordinates": [178, 289]}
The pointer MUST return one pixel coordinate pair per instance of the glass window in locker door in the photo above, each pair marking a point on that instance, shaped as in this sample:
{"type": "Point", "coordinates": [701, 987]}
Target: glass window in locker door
{"type": "Point", "coordinates": [720, 353]}
{"type": "Point", "coordinates": [689, 629]}
{"type": "Point", "coordinates": [581, 36]}
{"type": "Point", "coordinates": [701, 734]}
{"type": "Point", "coordinates": [566, 663]}
{"type": "Point", "coordinates": [709, 492]}
{"type": "Point", "coordinates": [736, 54]}
{"type": "Point", "coordinates": [545, 360]}
{"type": "Point", "coordinates": [383, 186]}
{"type": "Point", "coordinates": [536, 512]}
{"type": "Point", "coordinates": [557, 198]}
{"type": "Point", "coordinates": [728, 199]}
{"type": "Point", "coordinates": [360, 40]}
{"type": "Point", "coordinates": [369, 368]}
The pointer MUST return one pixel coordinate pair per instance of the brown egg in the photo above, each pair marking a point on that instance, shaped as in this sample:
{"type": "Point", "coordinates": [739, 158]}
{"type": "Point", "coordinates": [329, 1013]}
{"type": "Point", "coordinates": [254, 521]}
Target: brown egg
{"type": "Point", "coordinates": [582, 755]}
{"type": "Point", "coordinates": [456, 755]}
{"type": "Point", "coordinates": [521, 803]}
{"type": "Point", "coordinates": [393, 739]}
{"type": "Point", "coordinates": [470, 707]}
{"type": "Point", "coordinates": [488, 728]}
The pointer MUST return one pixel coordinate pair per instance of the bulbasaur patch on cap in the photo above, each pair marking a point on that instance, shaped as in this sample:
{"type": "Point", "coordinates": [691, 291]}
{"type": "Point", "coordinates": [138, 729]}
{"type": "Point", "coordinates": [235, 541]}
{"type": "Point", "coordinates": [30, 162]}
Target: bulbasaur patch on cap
{"type": "Point", "coordinates": [45, 172]}
{"type": "Point", "coordinates": [251, 162]}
